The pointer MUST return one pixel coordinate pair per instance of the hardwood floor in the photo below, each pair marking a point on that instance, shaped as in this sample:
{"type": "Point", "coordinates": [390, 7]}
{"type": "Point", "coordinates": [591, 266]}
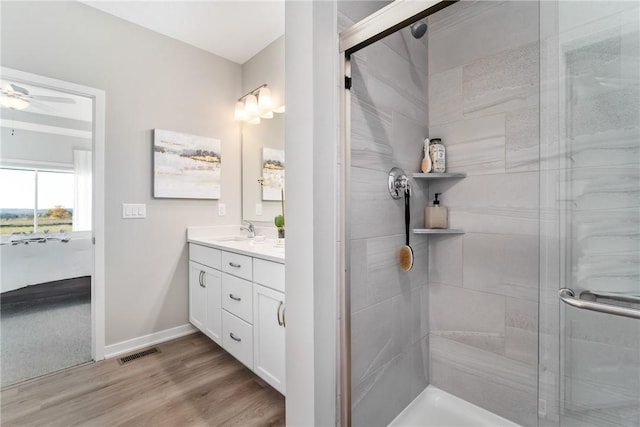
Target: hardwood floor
{"type": "Point", "coordinates": [191, 382]}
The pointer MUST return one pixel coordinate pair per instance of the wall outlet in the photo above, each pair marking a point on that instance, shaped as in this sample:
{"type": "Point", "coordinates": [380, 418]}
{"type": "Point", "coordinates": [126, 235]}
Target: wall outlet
{"type": "Point", "coordinates": [222, 209]}
{"type": "Point", "coordinates": [134, 210]}
{"type": "Point", "coordinates": [258, 208]}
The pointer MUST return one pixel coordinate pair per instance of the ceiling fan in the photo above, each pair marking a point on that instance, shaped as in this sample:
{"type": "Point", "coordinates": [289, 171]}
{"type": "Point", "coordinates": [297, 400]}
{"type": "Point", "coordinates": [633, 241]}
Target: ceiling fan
{"type": "Point", "coordinates": [18, 98]}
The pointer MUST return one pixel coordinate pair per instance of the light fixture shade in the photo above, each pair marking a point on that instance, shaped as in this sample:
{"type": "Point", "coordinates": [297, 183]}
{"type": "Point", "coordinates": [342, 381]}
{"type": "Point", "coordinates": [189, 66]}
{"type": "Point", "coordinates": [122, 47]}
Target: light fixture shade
{"type": "Point", "coordinates": [254, 120]}
{"type": "Point", "coordinates": [279, 110]}
{"type": "Point", "coordinates": [267, 115]}
{"type": "Point", "coordinates": [15, 103]}
{"type": "Point", "coordinates": [240, 113]}
{"type": "Point", "coordinates": [265, 103]}
{"type": "Point", "coordinates": [251, 107]}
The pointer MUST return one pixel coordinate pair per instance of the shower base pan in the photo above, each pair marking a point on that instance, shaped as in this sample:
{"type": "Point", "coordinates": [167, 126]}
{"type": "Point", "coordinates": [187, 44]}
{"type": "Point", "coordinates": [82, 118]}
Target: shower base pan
{"type": "Point", "coordinates": [436, 408]}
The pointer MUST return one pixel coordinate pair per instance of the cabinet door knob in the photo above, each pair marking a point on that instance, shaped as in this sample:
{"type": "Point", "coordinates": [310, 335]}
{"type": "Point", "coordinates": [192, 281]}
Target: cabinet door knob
{"type": "Point", "coordinates": [233, 337]}
{"type": "Point", "coordinates": [234, 265]}
{"type": "Point", "coordinates": [235, 298]}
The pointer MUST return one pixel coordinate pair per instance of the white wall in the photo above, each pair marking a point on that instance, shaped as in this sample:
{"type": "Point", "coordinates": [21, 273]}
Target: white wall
{"type": "Point", "coordinates": [150, 81]}
{"type": "Point", "coordinates": [311, 274]}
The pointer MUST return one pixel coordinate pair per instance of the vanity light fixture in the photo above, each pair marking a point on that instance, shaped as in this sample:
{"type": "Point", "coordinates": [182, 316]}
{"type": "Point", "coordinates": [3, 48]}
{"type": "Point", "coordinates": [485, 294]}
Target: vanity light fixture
{"type": "Point", "coordinates": [255, 105]}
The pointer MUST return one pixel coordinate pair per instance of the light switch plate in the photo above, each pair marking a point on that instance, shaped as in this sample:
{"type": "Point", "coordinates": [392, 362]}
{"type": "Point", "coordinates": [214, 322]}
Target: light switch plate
{"type": "Point", "coordinates": [258, 208]}
{"type": "Point", "coordinates": [134, 210]}
{"type": "Point", "coordinates": [222, 209]}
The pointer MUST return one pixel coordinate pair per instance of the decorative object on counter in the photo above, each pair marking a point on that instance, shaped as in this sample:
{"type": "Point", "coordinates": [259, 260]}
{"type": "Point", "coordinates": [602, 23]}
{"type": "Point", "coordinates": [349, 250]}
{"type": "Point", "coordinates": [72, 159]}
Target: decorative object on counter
{"type": "Point", "coordinates": [436, 215]}
{"type": "Point", "coordinates": [279, 222]}
{"type": "Point", "coordinates": [255, 105]}
{"type": "Point", "coordinates": [426, 165]}
{"type": "Point", "coordinates": [272, 173]}
{"type": "Point", "coordinates": [279, 219]}
{"type": "Point", "coordinates": [185, 166]}
{"type": "Point", "coordinates": [437, 154]}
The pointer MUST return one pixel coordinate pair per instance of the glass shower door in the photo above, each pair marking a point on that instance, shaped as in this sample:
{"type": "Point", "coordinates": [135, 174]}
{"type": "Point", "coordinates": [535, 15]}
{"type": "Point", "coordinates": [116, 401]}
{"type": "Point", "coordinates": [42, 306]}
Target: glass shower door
{"type": "Point", "coordinates": [590, 214]}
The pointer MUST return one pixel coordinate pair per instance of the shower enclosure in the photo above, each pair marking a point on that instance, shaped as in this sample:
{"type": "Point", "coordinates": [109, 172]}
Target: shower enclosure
{"type": "Point", "coordinates": [538, 105]}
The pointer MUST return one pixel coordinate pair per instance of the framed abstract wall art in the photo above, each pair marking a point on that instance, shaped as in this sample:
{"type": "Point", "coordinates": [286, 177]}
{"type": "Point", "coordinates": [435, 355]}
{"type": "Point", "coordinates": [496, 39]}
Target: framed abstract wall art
{"type": "Point", "coordinates": [185, 166]}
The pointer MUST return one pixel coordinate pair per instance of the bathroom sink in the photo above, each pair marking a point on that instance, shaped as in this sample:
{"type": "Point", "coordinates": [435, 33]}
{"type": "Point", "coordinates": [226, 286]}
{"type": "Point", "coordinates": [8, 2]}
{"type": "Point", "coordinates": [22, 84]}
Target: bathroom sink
{"type": "Point", "coordinates": [237, 238]}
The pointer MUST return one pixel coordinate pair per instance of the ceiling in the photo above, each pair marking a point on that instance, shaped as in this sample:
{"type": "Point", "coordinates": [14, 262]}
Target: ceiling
{"type": "Point", "coordinates": [233, 29]}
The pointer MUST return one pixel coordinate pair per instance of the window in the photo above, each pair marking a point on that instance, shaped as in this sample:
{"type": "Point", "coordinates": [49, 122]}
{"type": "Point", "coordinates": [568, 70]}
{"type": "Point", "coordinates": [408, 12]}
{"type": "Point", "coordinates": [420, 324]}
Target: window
{"type": "Point", "coordinates": [33, 200]}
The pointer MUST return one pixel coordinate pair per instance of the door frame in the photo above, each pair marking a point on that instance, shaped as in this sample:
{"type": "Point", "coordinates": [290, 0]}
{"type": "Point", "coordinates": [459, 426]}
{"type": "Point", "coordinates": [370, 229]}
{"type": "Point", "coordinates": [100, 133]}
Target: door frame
{"type": "Point", "coordinates": [98, 194]}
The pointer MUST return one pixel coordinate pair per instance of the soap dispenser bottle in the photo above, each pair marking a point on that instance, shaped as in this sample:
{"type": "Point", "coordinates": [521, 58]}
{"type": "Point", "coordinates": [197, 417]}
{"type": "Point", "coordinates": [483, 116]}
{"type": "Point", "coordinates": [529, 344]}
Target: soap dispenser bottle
{"type": "Point", "coordinates": [436, 215]}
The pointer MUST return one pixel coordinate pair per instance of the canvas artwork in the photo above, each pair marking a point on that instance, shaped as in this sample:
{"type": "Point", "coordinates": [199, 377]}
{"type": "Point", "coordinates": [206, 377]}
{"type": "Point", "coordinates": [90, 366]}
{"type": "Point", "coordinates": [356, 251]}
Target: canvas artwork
{"type": "Point", "coordinates": [272, 173]}
{"type": "Point", "coordinates": [186, 166]}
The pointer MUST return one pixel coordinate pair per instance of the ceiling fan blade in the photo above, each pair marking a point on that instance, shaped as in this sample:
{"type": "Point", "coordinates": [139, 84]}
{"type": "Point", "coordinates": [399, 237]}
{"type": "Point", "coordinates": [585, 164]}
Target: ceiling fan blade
{"type": "Point", "coordinates": [53, 99]}
{"type": "Point", "coordinates": [19, 89]}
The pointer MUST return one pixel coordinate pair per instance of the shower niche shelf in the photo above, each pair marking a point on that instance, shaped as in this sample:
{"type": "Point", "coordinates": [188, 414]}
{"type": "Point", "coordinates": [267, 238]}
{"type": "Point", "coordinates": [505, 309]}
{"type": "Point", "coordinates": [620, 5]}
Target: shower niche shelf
{"type": "Point", "coordinates": [446, 175]}
{"type": "Point", "coordinates": [436, 231]}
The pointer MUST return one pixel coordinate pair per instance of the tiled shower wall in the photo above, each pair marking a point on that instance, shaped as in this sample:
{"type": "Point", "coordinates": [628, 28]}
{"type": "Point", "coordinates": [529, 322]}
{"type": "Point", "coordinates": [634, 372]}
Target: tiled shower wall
{"type": "Point", "coordinates": [389, 307]}
{"type": "Point", "coordinates": [483, 286]}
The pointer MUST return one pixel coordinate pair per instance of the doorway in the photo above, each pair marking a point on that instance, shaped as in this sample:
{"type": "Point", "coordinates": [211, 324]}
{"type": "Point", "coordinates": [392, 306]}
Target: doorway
{"type": "Point", "coordinates": [52, 275]}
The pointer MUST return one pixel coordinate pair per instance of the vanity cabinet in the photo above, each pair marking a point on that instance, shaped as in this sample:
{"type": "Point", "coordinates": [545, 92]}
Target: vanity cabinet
{"type": "Point", "coordinates": [269, 336]}
{"type": "Point", "coordinates": [239, 302]}
{"type": "Point", "coordinates": [204, 300]}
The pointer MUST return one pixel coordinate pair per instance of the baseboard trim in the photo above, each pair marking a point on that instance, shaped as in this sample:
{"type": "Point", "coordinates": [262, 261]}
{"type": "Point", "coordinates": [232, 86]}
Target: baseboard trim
{"type": "Point", "coordinates": [147, 340]}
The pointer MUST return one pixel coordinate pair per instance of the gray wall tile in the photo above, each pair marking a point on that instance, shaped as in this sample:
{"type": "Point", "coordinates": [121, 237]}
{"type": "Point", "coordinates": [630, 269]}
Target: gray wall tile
{"type": "Point", "coordinates": [445, 260]}
{"type": "Point", "coordinates": [501, 204]}
{"type": "Point", "coordinates": [523, 140]}
{"type": "Point", "coordinates": [503, 82]}
{"type": "Point", "coordinates": [467, 316]}
{"type": "Point", "coordinates": [503, 386]}
{"type": "Point", "coordinates": [386, 392]}
{"type": "Point", "coordinates": [385, 278]}
{"type": "Point", "coordinates": [445, 97]}
{"type": "Point", "coordinates": [502, 264]}
{"type": "Point", "coordinates": [521, 339]}
{"type": "Point", "coordinates": [467, 31]}
{"type": "Point", "coordinates": [473, 146]}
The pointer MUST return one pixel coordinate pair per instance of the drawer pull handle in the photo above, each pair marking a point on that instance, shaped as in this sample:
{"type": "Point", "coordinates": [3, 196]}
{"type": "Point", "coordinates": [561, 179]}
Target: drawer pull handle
{"type": "Point", "coordinates": [233, 337]}
{"type": "Point", "coordinates": [201, 280]}
{"type": "Point", "coordinates": [280, 322]}
{"type": "Point", "coordinates": [234, 265]}
{"type": "Point", "coordinates": [235, 298]}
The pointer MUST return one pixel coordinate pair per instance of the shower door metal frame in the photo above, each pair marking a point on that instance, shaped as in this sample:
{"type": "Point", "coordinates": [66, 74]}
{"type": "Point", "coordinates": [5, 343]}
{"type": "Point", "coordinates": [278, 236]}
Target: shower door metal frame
{"type": "Point", "coordinates": [376, 26]}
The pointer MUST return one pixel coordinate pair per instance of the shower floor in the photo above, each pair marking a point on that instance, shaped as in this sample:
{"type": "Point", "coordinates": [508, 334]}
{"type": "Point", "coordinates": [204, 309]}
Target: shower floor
{"type": "Point", "coordinates": [436, 408]}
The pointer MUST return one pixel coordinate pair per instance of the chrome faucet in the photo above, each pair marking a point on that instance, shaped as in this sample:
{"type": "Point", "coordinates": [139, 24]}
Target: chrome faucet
{"type": "Point", "coordinates": [251, 229]}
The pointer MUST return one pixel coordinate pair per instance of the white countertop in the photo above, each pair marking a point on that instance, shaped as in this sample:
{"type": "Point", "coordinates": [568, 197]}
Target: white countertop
{"type": "Point", "coordinates": [228, 238]}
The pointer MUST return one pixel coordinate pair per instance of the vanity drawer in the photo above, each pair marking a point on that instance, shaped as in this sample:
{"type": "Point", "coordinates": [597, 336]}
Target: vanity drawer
{"type": "Point", "coordinates": [237, 297]}
{"type": "Point", "coordinates": [238, 265]}
{"type": "Point", "coordinates": [205, 255]}
{"type": "Point", "coordinates": [237, 338]}
{"type": "Point", "coordinates": [269, 274]}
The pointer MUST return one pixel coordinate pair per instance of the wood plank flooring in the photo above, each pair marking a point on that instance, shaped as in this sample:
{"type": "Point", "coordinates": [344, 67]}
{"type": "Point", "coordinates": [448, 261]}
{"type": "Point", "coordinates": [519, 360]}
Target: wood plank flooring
{"type": "Point", "coordinates": [191, 382]}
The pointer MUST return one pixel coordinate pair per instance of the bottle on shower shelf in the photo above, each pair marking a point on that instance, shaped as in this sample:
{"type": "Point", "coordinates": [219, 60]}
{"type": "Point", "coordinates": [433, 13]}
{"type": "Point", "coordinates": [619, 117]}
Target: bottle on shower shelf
{"type": "Point", "coordinates": [437, 154]}
{"type": "Point", "coordinates": [426, 160]}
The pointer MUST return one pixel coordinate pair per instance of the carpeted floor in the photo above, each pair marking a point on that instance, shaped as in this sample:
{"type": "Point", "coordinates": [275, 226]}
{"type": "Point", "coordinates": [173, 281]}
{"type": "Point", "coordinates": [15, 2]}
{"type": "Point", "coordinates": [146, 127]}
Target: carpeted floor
{"type": "Point", "coordinates": [44, 328]}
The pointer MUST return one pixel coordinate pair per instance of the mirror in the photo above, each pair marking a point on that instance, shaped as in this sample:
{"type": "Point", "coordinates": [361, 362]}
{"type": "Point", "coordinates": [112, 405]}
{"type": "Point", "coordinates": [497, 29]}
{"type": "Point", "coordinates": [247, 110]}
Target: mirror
{"type": "Point", "coordinates": [262, 153]}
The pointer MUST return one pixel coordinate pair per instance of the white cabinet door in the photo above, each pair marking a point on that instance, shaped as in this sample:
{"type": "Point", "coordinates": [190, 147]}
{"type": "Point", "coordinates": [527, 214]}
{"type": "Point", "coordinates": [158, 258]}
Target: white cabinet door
{"type": "Point", "coordinates": [205, 300]}
{"type": "Point", "coordinates": [269, 336]}
{"type": "Point", "coordinates": [213, 320]}
{"type": "Point", "coordinates": [197, 295]}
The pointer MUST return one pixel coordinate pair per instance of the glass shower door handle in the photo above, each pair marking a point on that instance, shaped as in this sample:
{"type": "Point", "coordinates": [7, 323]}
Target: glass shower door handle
{"type": "Point", "coordinates": [569, 297]}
